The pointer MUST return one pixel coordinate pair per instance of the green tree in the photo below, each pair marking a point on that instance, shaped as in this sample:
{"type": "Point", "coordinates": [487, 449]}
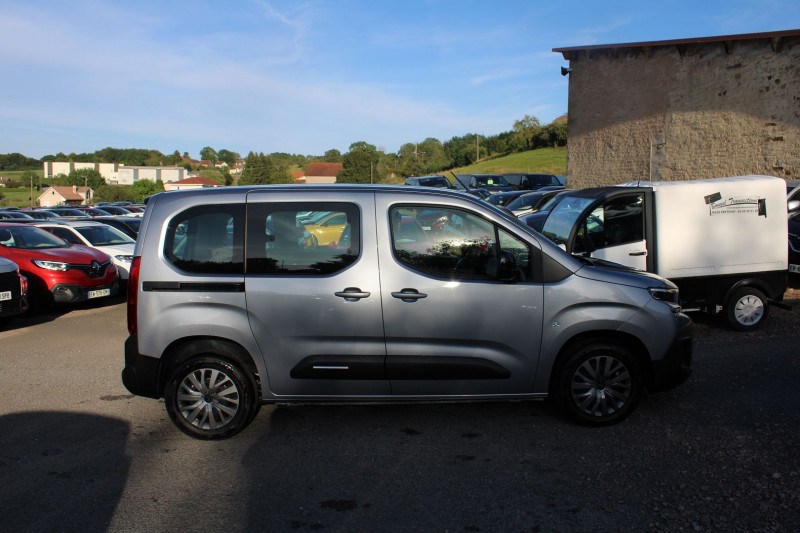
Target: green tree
{"type": "Point", "coordinates": [357, 167]}
{"type": "Point", "coordinates": [143, 188]}
{"type": "Point", "coordinates": [228, 156]}
{"type": "Point", "coordinates": [332, 156]}
{"type": "Point", "coordinates": [209, 154]}
{"type": "Point", "coordinates": [528, 126]}
{"type": "Point", "coordinates": [81, 177]}
{"type": "Point", "coordinates": [260, 169]}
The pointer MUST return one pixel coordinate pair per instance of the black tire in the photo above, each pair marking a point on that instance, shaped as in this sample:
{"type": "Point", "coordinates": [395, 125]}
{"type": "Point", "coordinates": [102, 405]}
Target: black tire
{"type": "Point", "coordinates": [211, 398]}
{"type": "Point", "coordinates": [747, 309]}
{"type": "Point", "coordinates": [600, 383]}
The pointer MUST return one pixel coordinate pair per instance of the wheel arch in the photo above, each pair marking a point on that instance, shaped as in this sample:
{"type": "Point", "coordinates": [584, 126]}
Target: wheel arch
{"type": "Point", "coordinates": [586, 338]}
{"type": "Point", "coordinates": [183, 349]}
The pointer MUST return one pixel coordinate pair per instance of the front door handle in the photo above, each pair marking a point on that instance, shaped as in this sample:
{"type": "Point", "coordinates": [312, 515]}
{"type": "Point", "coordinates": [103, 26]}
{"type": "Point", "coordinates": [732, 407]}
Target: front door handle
{"type": "Point", "coordinates": [637, 253]}
{"type": "Point", "coordinates": [409, 295]}
{"type": "Point", "coordinates": [351, 294]}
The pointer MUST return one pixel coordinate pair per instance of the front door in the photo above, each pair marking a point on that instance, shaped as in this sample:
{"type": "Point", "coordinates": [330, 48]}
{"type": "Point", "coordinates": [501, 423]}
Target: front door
{"type": "Point", "coordinates": [614, 231]}
{"type": "Point", "coordinates": [452, 328]}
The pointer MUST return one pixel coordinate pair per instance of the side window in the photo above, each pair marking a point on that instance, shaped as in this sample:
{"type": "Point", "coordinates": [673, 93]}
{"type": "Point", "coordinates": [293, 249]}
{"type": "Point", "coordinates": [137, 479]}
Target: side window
{"type": "Point", "coordinates": [207, 239]}
{"type": "Point", "coordinates": [618, 221]}
{"type": "Point", "coordinates": [451, 243]}
{"type": "Point", "coordinates": [624, 220]}
{"type": "Point", "coordinates": [310, 238]}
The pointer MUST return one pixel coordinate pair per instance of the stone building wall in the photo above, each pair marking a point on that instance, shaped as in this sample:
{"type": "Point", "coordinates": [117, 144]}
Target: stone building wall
{"type": "Point", "coordinates": [686, 111]}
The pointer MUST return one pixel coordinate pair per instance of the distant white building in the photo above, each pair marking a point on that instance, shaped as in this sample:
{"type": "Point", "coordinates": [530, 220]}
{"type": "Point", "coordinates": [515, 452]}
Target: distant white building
{"type": "Point", "coordinates": [116, 174]}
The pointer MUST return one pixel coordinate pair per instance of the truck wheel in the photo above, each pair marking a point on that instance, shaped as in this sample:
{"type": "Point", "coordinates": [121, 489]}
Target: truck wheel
{"type": "Point", "coordinates": [211, 398]}
{"type": "Point", "coordinates": [600, 383]}
{"type": "Point", "coordinates": [747, 309]}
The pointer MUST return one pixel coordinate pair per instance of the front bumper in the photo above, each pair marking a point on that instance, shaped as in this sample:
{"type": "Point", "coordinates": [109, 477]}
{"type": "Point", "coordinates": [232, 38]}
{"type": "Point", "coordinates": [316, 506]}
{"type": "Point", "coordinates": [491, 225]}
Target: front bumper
{"type": "Point", "coordinates": [676, 366]}
{"type": "Point", "coordinates": [66, 293]}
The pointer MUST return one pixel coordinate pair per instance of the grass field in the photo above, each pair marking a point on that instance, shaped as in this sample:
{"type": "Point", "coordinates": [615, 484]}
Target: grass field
{"type": "Point", "coordinates": [543, 160]}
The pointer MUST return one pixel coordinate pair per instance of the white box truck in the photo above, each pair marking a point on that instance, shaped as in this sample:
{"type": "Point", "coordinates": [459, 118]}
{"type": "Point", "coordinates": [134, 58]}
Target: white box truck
{"type": "Point", "coordinates": [722, 241]}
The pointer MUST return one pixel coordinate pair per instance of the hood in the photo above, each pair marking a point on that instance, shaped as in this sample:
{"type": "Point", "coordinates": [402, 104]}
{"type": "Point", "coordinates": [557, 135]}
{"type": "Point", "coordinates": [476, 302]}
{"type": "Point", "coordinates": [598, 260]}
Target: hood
{"type": "Point", "coordinates": [118, 249]}
{"type": "Point", "coordinates": [6, 266]}
{"type": "Point", "coordinates": [606, 271]}
{"type": "Point", "coordinates": [75, 254]}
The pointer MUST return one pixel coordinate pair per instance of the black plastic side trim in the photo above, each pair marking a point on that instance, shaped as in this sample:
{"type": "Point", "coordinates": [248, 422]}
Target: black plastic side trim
{"type": "Point", "coordinates": [431, 367]}
{"type": "Point", "coordinates": [177, 286]}
{"type": "Point", "coordinates": [340, 367]}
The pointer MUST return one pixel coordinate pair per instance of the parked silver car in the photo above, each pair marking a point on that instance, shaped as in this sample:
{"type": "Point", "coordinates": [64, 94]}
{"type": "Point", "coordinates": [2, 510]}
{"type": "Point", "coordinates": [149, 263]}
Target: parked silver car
{"type": "Point", "coordinates": [231, 306]}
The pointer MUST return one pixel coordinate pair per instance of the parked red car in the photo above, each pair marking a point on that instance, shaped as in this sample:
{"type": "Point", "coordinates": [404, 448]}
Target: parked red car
{"type": "Point", "coordinates": [57, 272]}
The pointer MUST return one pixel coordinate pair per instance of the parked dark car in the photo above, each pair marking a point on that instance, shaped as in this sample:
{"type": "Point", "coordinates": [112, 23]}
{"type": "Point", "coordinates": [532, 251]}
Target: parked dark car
{"type": "Point", "coordinates": [531, 181]}
{"type": "Point", "coordinates": [537, 218]}
{"type": "Point", "coordinates": [489, 182]}
{"type": "Point", "coordinates": [127, 225]}
{"type": "Point", "coordinates": [531, 201]}
{"type": "Point", "coordinates": [115, 210]}
{"type": "Point", "coordinates": [66, 211]}
{"type": "Point", "coordinates": [41, 214]}
{"type": "Point", "coordinates": [430, 181]}
{"type": "Point", "coordinates": [57, 271]}
{"type": "Point", "coordinates": [13, 289]}
{"type": "Point", "coordinates": [13, 215]}
{"type": "Point", "coordinates": [501, 199]}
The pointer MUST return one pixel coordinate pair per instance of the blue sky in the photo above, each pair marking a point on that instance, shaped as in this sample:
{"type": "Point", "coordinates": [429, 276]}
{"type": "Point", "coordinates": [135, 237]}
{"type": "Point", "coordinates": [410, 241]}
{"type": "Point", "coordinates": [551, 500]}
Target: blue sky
{"type": "Point", "coordinates": [307, 76]}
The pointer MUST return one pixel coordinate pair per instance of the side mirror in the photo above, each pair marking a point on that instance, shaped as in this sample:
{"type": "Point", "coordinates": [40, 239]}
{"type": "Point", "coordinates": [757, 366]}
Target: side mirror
{"type": "Point", "coordinates": [503, 267]}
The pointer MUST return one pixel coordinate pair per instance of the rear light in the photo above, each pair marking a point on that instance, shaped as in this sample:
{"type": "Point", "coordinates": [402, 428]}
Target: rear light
{"type": "Point", "coordinates": [133, 295]}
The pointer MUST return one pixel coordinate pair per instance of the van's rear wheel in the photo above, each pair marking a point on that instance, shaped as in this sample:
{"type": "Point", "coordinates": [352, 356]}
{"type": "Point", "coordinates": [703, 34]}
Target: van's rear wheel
{"type": "Point", "coordinates": [600, 383]}
{"type": "Point", "coordinates": [211, 398]}
{"type": "Point", "coordinates": [747, 309]}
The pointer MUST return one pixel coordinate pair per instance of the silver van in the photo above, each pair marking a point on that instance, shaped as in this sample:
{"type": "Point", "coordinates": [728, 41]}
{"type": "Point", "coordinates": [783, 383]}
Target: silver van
{"type": "Point", "coordinates": [243, 296]}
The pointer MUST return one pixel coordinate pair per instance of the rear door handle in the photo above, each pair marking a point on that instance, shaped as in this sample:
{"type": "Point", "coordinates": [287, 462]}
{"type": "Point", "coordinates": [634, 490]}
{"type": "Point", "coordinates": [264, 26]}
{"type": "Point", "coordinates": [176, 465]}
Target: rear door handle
{"type": "Point", "coordinates": [352, 294]}
{"type": "Point", "coordinates": [409, 295]}
{"type": "Point", "coordinates": [637, 253]}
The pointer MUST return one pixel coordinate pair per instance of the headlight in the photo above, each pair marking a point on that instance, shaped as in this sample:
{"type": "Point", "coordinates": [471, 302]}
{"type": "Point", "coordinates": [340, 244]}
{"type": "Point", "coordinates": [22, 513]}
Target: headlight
{"type": "Point", "coordinates": [124, 258]}
{"type": "Point", "coordinates": [667, 295]}
{"type": "Point", "coordinates": [51, 265]}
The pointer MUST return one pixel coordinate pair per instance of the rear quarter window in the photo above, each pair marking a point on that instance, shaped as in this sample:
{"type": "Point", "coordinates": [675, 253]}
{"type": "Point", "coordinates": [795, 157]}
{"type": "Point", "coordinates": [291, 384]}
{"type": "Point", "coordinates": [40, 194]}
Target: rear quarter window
{"type": "Point", "coordinates": [207, 240]}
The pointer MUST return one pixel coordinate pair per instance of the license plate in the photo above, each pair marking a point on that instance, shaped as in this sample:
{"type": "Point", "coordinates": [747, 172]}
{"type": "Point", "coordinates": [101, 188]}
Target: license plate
{"type": "Point", "coordinates": [99, 293]}
{"type": "Point", "coordinates": [5, 295]}
{"type": "Point", "coordinates": [794, 268]}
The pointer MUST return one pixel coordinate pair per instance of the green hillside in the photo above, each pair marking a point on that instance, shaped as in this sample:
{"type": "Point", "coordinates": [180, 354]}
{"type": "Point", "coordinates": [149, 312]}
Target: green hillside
{"type": "Point", "coordinates": [543, 160]}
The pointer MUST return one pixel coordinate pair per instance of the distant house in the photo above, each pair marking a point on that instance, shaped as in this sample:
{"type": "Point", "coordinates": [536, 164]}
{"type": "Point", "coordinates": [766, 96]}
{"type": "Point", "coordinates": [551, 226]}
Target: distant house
{"type": "Point", "coordinates": [238, 167]}
{"type": "Point", "coordinates": [191, 183]}
{"type": "Point", "coordinates": [67, 195]}
{"type": "Point", "coordinates": [299, 177]}
{"type": "Point", "coordinates": [321, 173]}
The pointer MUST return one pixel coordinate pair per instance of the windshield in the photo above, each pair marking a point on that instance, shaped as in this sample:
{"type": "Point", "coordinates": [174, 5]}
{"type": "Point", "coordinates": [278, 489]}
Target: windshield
{"type": "Point", "coordinates": [491, 181]}
{"type": "Point", "coordinates": [104, 235]}
{"type": "Point", "coordinates": [526, 201]}
{"type": "Point", "coordinates": [435, 182]}
{"type": "Point", "coordinates": [563, 217]}
{"type": "Point", "coordinates": [29, 238]}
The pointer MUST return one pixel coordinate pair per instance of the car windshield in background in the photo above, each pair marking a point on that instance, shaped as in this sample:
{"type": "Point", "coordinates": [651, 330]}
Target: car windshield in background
{"type": "Point", "coordinates": [491, 181]}
{"type": "Point", "coordinates": [103, 235]}
{"type": "Point", "coordinates": [561, 219]}
{"type": "Point", "coordinates": [29, 238]}
{"type": "Point", "coordinates": [435, 182]}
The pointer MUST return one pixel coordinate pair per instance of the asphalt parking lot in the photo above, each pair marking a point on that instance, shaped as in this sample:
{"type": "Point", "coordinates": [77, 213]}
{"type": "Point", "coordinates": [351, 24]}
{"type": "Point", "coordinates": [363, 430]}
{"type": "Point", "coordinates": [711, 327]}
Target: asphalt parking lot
{"type": "Point", "coordinates": [78, 453]}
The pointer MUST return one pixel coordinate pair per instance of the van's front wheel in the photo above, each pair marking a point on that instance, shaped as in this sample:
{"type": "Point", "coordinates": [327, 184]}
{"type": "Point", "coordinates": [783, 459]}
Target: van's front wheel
{"type": "Point", "coordinates": [600, 383]}
{"type": "Point", "coordinates": [747, 309]}
{"type": "Point", "coordinates": [210, 398]}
